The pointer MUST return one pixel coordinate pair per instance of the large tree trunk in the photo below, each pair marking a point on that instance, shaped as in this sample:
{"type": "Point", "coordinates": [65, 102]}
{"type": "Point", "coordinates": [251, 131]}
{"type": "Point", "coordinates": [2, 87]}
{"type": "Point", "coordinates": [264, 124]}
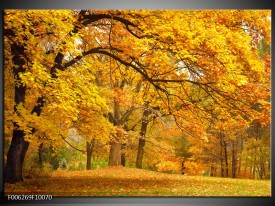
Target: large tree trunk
{"type": "Point", "coordinates": [15, 158]}
{"type": "Point", "coordinates": [115, 150]}
{"type": "Point", "coordinates": [18, 147]}
{"type": "Point", "coordinates": [141, 141]}
{"type": "Point", "coordinates": [115, 154]}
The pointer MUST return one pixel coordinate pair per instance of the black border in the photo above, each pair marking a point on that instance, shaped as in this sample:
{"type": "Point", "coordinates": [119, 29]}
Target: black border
{"type": "Point", "coordinates": [130, 4]}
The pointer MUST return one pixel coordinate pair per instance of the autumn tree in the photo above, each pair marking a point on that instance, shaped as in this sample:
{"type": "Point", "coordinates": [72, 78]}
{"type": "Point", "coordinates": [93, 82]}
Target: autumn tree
{"type": "Point", "coordinates": [172, 51]}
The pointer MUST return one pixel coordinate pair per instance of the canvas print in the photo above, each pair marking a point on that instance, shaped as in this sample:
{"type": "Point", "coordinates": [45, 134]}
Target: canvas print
{"type": "Point", "coordinates": [137, 103]}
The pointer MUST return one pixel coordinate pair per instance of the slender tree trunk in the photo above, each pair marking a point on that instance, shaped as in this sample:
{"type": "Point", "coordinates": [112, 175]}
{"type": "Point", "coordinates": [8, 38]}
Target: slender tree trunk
{"type": "Point", "coordinates": [233, 160]}
{"type": "Point", "coordinates": [221, 155]}
{"type": "Point", "coordinates": [226, 165]}
{"type": "Point", "coordinates": [240, 156]}
{"type": "Point", "coordinates": [239, 166]}
{"type": "Point", "coordinates": [226, 159]}
{"type": "Point", "coordinates": [183, 167]}
{"type": "Point", "coordinates": [89, 156]}
{"type": "Point", "coordinates": [89, 153]}
{"type": "Point", "coordinates": [123, 157]}
{"type": "Point", "coordinates": [89, 160]}
{"type": "Point", "coordinates": [141, 144]}
{"type": "Point", "coordinates": [40, 155]}
{"type": "Point", "coordinates": [224, 147]}
{"type": "Point", "coordinates": [268, 168]}
{"type": "Point", "coordinates": [262, 171]}
{"type": "Point", "coordinates": [245, 167]}
{"type": "Point", "coordinates": [222, 169]}
{"type": "Point", "coordinates": [261, 165]}
{"type": "Point", "coordinates": [141, 141]}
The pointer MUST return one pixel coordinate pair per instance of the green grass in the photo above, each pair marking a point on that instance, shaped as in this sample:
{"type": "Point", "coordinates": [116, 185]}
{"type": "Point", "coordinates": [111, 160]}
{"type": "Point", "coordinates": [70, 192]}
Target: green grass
{"type": "Point", "coordinates": [119, 181]}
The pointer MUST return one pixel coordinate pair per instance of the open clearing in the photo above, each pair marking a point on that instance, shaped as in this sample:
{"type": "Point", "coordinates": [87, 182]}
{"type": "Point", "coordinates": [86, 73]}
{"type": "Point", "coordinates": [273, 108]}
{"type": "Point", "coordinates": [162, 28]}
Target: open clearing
{"type": "Point", "coordinates": [120, 181]}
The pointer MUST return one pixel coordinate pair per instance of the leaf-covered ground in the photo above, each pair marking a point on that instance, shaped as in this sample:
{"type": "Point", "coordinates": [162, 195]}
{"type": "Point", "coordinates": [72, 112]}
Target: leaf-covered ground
{"type": "Point", "coordinates": [119, 181]}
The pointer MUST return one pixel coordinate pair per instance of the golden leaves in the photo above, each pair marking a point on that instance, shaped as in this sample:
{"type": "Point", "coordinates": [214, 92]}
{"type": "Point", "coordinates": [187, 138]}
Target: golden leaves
{"type": "Point", "coordinates": [170, 165]}
{"type": "Point", "coordinates": [131, 182]}
{"type": "Point", "coordinates": [204, 61]}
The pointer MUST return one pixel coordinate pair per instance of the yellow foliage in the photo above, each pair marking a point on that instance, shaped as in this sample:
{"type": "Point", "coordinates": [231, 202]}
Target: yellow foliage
{"type": "Point", "coordinates": [194, 167]}
{"type": "Point", "coordinates": [169, 166]}
{"type": "Point", "coordinates": [199, 67]}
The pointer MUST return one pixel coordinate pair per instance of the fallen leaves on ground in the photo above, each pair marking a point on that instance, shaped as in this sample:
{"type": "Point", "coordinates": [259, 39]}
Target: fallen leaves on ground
{"type": "Point", "coordinates": [120, 181]}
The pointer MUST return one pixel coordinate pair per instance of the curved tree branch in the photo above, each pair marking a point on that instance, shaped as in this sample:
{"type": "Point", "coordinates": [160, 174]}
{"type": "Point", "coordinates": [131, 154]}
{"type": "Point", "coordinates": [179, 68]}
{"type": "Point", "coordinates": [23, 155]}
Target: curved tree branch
{"type": "Point", "coordinates": [83, 151]}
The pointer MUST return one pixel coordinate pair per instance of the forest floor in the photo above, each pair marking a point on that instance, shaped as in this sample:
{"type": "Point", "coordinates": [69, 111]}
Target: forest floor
{"type": "Point", "coordinates": [120, 181]}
